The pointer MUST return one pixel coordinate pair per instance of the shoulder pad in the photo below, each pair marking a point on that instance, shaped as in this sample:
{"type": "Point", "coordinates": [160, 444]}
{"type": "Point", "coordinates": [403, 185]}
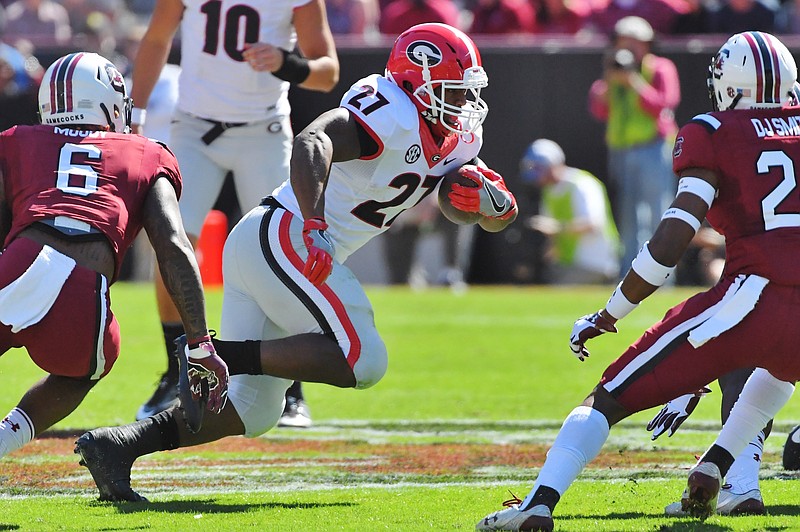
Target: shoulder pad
{"type": "Point", "coordinates": [161, 143]}
{"type": "Point", "coordinates": [381, 105]}
{"type": "Point", "coordinates": [707, 121]}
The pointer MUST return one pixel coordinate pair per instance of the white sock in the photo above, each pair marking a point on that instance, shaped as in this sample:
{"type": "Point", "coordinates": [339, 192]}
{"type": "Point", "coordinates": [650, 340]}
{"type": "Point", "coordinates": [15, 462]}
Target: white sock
{"type": "Point", "coordinates": [16, 429]}
{"type": "Point", "coordinates": [743, 475]}
{"type": "Point", "coordinates": [580, 439]}
{"type": "Point", "coordinates": [762, 397]}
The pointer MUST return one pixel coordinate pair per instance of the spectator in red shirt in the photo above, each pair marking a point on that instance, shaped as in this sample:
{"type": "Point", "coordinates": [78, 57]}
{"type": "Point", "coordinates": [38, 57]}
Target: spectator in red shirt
{"type": "Point", "coordinates": [660, 14]}
{"type": "Point", "coordinates": [736, 16]}
{"type": "Point", "coordinates": [561, 16]}
{"type": "Point", "coordinates": [399, 15]}
{"type": "Point", "coordinates": [502, 16]}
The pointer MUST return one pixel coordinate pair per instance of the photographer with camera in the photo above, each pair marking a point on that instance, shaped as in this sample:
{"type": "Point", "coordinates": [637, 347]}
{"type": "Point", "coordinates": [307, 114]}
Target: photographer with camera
{"type": "Point", "coordinates": [636, 97]}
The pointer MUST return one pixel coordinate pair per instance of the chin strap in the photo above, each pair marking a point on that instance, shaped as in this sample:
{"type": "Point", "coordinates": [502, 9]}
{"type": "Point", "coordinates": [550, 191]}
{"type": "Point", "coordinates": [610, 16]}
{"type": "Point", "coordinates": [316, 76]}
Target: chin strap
{"type": "Point", "coordinates": [735, 101]}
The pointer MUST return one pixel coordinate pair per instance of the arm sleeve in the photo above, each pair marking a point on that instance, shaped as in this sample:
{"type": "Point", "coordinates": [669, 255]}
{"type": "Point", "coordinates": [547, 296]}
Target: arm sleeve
{"type": "Point", "coordinates": [598, 106]}
{"type": "Point", "coordinates": [665, 90]}
{"type": "Point", "coordinates": [693, 147]}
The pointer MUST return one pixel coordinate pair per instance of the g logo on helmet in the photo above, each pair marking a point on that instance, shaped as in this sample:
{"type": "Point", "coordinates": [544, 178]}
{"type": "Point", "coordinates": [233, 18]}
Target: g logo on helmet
{"type": "Point", "coordinates": [417, 51]}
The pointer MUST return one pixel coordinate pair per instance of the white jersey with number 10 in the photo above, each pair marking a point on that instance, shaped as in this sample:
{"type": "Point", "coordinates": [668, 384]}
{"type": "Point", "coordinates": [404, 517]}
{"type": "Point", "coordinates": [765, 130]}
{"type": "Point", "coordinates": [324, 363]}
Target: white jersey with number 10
{"type": "Point", "coordinates": [216, 82]}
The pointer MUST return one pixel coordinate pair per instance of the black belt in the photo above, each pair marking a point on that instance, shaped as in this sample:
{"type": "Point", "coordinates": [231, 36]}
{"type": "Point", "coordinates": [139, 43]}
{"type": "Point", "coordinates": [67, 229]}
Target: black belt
{"type": "Point", "coordinates": [270, 201]}
{"type": "Point", "coordinates": [218, 129]}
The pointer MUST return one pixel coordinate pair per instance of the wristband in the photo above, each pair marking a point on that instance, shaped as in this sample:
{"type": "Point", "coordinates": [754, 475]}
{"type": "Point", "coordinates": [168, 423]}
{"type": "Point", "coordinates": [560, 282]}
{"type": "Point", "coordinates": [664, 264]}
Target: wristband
{"type": "Point", "coordinates": [649, 268]}
{"type": "Point", "coordinates": [684, 216]}
{"type": "Point", "coordinates": [700, 188]}
{"type": "Point", "coordinates": [138, 115]}
{"type": "Point", "coordinates": [194, 342]}
{"type": "Point", "coordinates": [201, 350]}
{"type": "Point", "coordinates": [295, 68]}
{"type": "Point", "coordinates": [618, 305]}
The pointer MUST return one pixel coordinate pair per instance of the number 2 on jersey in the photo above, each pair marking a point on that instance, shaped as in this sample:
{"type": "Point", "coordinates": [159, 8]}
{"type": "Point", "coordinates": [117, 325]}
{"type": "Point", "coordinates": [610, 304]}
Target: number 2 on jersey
{"type": "Point", "coordinates": [772, 219]}
{"type": "Point", "coordinates": [370, 211]}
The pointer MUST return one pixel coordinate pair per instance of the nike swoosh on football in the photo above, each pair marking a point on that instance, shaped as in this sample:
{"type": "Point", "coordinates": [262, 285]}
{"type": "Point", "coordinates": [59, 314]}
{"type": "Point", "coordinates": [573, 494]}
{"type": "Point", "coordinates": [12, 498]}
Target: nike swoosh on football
{"type": "Point", "coordinates": [796, 436]}
{"type": "Point", "coordinates": [448, 161]}
{"type": "Point", "coordinates": [498, 208]}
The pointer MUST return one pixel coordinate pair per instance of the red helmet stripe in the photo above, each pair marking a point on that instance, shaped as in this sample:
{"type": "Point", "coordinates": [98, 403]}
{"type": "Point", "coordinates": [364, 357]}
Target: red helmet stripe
{"type": "Point", "coordinates": [776, 67]}
{"type": "Point", "coordinates": [759, 96]}
{"type": "Point", "coordinates": [61, 83]}
{"type": "Point", "coordinates": [53, 77]}
{"type": "Point", "coordinates": [70, 71]}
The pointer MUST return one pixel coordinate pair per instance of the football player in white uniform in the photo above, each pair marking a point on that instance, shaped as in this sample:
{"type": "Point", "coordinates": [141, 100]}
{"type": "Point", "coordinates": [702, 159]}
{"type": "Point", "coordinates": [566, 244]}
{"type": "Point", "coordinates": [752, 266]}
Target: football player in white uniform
{"type": "Point", "coordinates": [353, 171]}
{"type": "Point", "coordinates": [237, 61]}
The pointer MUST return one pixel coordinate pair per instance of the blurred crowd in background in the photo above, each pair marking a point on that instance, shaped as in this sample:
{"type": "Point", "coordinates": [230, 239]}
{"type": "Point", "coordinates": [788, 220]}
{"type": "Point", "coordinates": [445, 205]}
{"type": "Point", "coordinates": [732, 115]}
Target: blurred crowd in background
{"type": "Point", "coordinates": [114, 27]}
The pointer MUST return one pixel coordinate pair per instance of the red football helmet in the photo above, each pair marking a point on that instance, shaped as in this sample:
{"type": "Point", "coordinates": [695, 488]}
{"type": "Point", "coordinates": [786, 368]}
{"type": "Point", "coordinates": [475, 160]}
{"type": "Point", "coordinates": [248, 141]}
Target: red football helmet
{"type": "Point", "coordinates": [429, 59]}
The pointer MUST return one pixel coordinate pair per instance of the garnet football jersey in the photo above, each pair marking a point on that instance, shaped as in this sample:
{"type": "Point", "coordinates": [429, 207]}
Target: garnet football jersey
{"type": "Point", "coordinates": [757, 208]}
{"type": "Point", "coordinates": [364, 196]}
{"type": "Point", "coordinates": [96, 177]}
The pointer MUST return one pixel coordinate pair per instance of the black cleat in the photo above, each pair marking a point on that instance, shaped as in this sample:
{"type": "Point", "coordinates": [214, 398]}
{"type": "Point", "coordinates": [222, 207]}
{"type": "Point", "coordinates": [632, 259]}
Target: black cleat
{"type": "Point", "coordinates": [164, 397]}
{"type": "Point", "coordinates": [791, 450]}
{"type": "Point", "coordinates": [193, 411]}
{"type": "Point", "coordinates": [102, 451]}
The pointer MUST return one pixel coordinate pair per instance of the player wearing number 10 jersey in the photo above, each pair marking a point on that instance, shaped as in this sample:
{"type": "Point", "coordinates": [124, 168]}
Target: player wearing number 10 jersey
{"type": "Point", "coordinates": [238, 59]}
{"type": "Point", "coordinates": [74, 193]}
{"type": "Point", "coordinates": [354, 170]}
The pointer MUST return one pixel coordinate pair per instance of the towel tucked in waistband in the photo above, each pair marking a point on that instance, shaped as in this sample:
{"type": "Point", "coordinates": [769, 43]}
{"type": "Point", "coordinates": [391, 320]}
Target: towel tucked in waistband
{"type": "Point", "coordinates": [731, 313]}
{"type": "Point", "coordinates": [29, 298]}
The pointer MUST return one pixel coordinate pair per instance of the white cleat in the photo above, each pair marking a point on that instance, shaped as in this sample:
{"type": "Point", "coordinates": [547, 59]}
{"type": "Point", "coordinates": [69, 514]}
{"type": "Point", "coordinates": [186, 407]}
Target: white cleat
{"type": "Point", "coordinates": [747, 503]}
{"type": "Point", "coordinates": [512, 518]}
{"type": "Point", "coordinates": [729, 503]}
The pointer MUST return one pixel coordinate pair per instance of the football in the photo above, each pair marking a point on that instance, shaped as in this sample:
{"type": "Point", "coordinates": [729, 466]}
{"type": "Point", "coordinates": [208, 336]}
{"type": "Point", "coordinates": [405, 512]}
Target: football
{"type": "Point", "coordinates": [451, 213]}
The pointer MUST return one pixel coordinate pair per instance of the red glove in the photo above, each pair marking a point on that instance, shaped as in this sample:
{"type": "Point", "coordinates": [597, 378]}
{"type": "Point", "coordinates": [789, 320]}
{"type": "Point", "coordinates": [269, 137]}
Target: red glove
{"type": "Point", "coordinates": [490, 197]}
{"type": "Point", "coordinates": [205, 365]}
{"type": "Point", "coordinates": [320, 251]}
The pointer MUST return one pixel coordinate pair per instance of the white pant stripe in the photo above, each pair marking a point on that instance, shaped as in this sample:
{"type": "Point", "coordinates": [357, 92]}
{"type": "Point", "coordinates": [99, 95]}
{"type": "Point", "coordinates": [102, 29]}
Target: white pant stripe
{"type": "Point", "coordinates": [647, 355]}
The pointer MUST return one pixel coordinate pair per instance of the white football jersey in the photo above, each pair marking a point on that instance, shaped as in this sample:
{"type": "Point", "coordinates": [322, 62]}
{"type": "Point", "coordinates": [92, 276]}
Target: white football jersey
{"type": "Point", "coordinates": [216, 82]}
{"type": "Point", "coordinates": [364, 196]}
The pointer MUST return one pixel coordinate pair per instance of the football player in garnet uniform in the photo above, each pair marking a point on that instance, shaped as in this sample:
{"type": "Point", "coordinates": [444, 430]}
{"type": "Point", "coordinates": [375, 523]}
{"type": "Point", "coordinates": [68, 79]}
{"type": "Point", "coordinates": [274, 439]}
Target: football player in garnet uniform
{"type": "Point", "coordinates": [353, 171]}
{"type": "Point", "coordinates": [736, 167]}
{"type": "Point", "coordinates": [75, 192]}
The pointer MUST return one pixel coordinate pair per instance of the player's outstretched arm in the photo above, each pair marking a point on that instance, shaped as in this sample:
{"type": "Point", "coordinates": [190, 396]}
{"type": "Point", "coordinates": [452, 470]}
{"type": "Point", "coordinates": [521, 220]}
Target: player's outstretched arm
{"type": "Point", "coordinates": [332, 137]}
{"type": "Point", "coordinates": [175, 256]}
{"type": "Point", "coordinates": [656, 260]}
{"type": "Point", "coordinates": [152, 55]}
{"type": "Point", "coordinates": [315, 40]}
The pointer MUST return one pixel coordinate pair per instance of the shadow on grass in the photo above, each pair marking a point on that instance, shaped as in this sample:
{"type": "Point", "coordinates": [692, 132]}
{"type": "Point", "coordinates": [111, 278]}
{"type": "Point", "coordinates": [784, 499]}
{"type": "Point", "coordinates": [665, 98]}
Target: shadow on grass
{"type": "Point", "coordinates": [686, 524]}
{"type": "Point", "coordinates": [209, 506]}
{"type": "Point", "coordinates": [4, 526]}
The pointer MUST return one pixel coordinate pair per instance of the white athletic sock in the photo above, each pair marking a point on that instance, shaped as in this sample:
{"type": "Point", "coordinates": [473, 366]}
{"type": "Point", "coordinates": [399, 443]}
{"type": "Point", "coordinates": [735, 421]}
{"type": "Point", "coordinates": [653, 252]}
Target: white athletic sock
{"type": "Point", "coordinates": [580, 439]}
{"type": "Point", "coordinates": [743, 474]}
{"type": "Point", "coordinates": [16, 429]}
{"type": "Point", "coordinates": [762, 397]}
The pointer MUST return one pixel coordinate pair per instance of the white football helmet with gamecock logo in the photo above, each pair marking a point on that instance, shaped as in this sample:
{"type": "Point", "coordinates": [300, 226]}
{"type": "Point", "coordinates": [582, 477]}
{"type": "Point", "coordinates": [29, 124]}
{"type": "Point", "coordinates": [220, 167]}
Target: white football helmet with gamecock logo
{"type": "Point", "coordinates": [752, 70]}
{"type": "Point", "coordinates": [429, 59]}
{"type": "Point", "coordinates": [84, 88]}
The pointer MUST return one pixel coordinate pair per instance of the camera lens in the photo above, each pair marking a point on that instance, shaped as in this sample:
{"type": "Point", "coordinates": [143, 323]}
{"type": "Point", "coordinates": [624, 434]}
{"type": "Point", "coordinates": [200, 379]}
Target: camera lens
{"type": "Point", "coordinates": [624, 59]}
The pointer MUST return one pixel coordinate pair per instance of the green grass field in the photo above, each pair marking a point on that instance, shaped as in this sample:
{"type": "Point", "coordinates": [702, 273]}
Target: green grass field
{"type": "Point", "coordinates": [477, 387]}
